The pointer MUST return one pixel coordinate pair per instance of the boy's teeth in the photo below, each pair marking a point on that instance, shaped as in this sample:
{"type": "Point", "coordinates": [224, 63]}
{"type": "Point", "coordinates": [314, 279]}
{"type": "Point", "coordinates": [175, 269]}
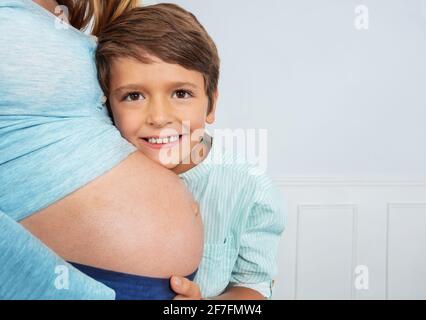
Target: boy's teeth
{"type": "Point", "coordinates": [163, 140]}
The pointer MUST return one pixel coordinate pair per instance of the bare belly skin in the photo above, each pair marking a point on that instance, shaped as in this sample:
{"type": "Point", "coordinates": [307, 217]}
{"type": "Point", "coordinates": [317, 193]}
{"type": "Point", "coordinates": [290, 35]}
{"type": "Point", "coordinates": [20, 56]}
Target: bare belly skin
{"type": "Point", "coordinates": [138, 218]}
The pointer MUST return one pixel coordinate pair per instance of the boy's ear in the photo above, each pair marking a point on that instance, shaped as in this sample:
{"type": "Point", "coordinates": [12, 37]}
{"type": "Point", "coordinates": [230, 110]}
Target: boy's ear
{"type": "Point", "coordinates": [211, 117]}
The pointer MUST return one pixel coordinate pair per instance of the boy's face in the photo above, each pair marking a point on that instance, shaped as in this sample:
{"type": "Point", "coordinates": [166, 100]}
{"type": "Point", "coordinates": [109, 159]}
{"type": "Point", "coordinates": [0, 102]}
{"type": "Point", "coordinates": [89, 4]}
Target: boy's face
{"type": "Point", "coordinates": [161, 108]}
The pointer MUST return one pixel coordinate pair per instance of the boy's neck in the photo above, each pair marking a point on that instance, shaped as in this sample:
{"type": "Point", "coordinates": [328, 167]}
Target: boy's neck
{"type": "Point", "coordinates": [203, 148]}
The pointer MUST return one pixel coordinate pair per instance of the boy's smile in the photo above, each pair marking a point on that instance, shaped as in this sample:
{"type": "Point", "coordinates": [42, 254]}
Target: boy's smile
{"type": "Point", "coordinates": [161, 108]}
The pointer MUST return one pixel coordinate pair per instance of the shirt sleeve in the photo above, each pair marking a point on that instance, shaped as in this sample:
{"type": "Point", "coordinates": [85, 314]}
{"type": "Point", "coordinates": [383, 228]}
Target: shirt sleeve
{"type": "Point", "coordinates": [31, 271]}
{"type": "Point", "coordinates": [256, 265]}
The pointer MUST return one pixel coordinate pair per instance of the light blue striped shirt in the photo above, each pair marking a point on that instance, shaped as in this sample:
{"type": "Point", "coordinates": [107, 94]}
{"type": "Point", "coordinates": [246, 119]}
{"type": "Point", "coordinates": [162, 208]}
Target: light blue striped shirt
{"type": "Point", "coordinates": [243, 219]}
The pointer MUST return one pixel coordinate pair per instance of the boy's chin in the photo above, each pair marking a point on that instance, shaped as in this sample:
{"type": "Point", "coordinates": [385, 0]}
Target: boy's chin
{"type": "Point", "coordinates": [169, 166]}
{"type": "Point", "coordinates": [166, 164]}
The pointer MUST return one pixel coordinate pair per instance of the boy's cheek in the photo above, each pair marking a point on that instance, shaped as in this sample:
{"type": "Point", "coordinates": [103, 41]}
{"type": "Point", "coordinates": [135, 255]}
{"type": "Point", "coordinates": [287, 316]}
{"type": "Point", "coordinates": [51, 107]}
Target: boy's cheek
{"type": "Point", "coordinates": [127, 124]}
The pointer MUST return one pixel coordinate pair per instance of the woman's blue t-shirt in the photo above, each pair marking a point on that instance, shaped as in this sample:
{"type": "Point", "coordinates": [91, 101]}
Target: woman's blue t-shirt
{"type": "Point", "coordinates": [55, 137]}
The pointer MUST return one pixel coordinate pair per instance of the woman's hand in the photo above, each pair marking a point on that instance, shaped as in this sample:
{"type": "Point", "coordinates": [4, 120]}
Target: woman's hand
{"type": "Point", "coordinates": [185, 289]}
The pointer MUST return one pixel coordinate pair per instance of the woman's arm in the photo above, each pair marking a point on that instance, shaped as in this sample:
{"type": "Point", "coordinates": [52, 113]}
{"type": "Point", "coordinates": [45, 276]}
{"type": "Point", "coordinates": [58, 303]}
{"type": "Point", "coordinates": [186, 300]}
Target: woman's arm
{"type": "Point", "coordinates": [29, 270]}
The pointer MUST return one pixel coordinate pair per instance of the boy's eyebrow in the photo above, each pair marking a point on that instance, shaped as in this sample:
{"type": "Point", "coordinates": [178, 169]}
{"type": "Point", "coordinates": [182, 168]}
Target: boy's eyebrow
{"type": "Point", "coordinates": [183, 84]}
{"type": "Point", "coordinates": [135, 86]}
{"type": "Point", "coordinates": [131, 86]}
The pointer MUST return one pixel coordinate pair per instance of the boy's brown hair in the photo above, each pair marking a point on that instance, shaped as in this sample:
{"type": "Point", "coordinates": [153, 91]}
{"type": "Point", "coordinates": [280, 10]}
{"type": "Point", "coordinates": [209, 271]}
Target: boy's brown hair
{"type": "Point", "coordinates": [165, 31]}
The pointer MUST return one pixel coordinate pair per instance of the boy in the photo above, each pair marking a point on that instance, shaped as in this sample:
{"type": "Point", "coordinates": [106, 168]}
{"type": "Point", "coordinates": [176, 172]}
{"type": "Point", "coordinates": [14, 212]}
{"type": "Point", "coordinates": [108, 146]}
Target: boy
{"type": "Point", "coordinates": [159, 70]}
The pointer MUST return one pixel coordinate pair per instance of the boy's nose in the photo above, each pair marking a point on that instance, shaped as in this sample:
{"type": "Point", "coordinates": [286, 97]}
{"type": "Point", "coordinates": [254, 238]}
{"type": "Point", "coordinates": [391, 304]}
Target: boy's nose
{"type": "Point", "coordinates": [158, 116]}
{"type": "Point", "coordinates": [158, 122]}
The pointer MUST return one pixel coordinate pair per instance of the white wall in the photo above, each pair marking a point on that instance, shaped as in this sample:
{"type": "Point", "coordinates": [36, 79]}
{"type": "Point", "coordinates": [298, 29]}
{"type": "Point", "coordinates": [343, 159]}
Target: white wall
{"type": "Point", "coordinates": [337, 102]}
{"type": "Point", "coordinates": [336, 225]}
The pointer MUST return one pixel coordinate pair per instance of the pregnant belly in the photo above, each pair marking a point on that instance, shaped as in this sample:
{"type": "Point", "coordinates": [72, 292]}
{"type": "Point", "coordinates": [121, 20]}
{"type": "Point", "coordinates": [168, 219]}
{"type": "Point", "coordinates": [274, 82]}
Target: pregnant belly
{"type": "Point", "coordinates": [137, 219]}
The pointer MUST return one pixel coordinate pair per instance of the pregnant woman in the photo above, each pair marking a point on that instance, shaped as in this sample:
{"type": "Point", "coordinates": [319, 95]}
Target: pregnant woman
{"type": "Point", "coordinates": [68, 178]}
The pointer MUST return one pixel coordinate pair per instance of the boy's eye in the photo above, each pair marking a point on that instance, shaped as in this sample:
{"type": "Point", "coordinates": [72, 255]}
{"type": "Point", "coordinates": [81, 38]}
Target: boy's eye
{"type": "Point", "coordinates": [182, 94]}
{"type": "Point", "coordinates": [133, 96]}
